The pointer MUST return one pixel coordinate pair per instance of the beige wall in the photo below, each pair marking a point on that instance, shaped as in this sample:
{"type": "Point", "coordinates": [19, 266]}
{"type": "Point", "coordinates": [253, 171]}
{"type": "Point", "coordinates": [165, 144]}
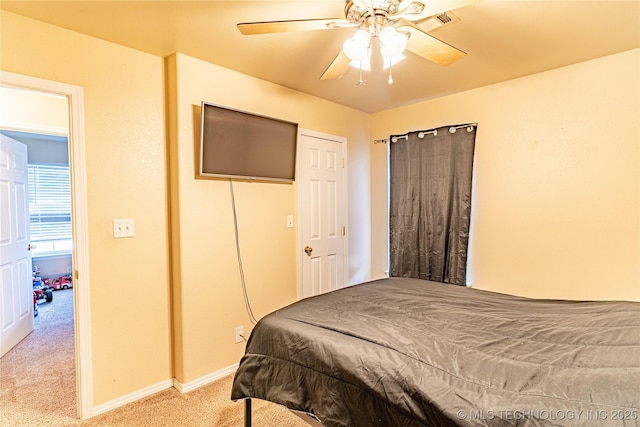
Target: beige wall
{"type": "Point", "coordinates": [126, 178]}
{"type": "Point", "coordinates": [208, 299]}
{"type": "Point", "coordinates": [556, 201]}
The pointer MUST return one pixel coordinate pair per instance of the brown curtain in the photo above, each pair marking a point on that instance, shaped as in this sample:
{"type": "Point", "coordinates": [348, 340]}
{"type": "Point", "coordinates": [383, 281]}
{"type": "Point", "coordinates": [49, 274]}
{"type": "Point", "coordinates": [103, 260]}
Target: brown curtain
{"type": "Point", "coordinates": [430, 206]}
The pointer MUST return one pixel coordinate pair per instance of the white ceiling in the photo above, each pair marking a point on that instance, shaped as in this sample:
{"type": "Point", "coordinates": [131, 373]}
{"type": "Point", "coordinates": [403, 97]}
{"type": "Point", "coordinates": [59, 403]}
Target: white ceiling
{"type": "Point", "coordinates": [502, 39]}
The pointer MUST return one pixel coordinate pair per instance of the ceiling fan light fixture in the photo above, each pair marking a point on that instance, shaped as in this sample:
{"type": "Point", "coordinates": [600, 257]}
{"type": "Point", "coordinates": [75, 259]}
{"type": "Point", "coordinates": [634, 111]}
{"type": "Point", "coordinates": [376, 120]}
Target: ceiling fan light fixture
{"type": "Point", "coordinates": [392, 42]}
{"type": "Point", "coordinates": [378, 18]}
{"type": "Point", "coordinates": [358, 47]}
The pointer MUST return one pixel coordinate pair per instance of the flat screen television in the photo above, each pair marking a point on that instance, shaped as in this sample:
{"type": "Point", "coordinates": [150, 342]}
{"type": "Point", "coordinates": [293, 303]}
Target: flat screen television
{"type": "Point", "coordinates": [241, 145]}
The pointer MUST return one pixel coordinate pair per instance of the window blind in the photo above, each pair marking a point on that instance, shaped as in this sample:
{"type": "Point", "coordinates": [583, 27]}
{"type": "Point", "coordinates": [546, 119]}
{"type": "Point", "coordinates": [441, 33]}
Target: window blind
{"type": "Point", "coordinates": [49, 202]}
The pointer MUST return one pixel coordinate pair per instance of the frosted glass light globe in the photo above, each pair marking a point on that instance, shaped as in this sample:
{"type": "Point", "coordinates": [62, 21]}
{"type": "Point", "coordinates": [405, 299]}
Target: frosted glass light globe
{"type": "Point", "coordinates": [357, 47]}
{"type": "Point", "coordinates": [392, 43]}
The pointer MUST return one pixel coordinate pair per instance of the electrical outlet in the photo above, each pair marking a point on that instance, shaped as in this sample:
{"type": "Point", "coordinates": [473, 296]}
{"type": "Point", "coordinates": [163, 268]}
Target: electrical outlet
{"type": "Point", "coordinates": [239, 332]}
{"type": "Point", "coordinates": [123, 228]}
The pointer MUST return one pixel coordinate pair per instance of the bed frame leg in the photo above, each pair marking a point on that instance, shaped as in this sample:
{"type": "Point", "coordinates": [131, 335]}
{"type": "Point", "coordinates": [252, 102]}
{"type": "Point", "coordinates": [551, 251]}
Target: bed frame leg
{"type": "Point", "coordinates": [247, 413]}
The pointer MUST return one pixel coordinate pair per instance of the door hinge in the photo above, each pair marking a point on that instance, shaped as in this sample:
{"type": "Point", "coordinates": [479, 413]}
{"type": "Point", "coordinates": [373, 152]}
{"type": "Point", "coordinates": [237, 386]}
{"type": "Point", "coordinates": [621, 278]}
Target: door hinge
{"type": "Point", "coordinates": [75, 275]}
{"type": "Point", "coordinates": [344, 230]}
{"type": "Point", "coordinates": [342, 162]}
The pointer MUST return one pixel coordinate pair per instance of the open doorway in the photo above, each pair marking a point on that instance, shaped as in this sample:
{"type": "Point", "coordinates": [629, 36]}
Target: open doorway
{"type": "Point", "coordinates": [40, 122]}
{"type": "Point", "coordinates": [78, 355]}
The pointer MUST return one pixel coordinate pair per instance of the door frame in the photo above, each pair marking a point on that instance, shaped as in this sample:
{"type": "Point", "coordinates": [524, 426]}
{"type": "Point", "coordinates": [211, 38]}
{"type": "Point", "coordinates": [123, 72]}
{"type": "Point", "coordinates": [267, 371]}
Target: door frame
{"type": "Point", "coordinates": [79, 225]}
{"type": "Point", "coordinates": [345, 212]}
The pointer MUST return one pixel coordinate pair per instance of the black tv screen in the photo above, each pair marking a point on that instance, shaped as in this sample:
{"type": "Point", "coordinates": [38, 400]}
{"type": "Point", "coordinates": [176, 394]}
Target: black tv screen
{"type": "Point", "coordinates": [236, 144]}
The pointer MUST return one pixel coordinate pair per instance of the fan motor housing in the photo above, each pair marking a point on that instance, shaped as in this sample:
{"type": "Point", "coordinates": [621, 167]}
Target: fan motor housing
{"type": "Point", "coordinates": [370, 17]}
{"type": "Point", "coordinates": [356, 11]}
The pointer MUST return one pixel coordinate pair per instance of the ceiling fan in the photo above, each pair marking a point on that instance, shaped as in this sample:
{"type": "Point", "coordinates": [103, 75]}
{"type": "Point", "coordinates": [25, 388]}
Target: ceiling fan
{"type": "Point", "coordinates": [394, 22]}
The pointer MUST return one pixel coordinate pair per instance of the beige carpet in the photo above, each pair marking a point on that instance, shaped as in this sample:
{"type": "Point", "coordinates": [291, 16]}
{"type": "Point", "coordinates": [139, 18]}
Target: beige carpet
{"type": "Point", "coordinates": [37, 387]}
{"type": "Point", "coordinates": [206, 406]}
{"type": "Point", "coordinates": [37, 377]}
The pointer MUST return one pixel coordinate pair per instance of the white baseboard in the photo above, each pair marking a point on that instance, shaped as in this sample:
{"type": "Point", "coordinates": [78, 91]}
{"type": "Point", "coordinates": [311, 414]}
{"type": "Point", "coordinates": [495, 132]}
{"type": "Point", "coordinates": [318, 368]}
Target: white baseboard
{"type": "Point", "coordinates": [132, 397]}
{"type": "Point", "coordinates": [148, 391]}
{"type": "Point", "coordinates": [214, 376]}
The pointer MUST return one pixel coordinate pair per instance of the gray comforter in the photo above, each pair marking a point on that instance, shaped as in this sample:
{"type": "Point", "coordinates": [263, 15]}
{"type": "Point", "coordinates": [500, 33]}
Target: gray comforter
{"type": "Point", "coordinates": [407, 352]}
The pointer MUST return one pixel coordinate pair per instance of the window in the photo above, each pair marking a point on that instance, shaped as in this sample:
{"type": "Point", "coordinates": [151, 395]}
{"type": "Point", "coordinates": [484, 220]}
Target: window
{"type": "Point", "coordinates": [50, 209]}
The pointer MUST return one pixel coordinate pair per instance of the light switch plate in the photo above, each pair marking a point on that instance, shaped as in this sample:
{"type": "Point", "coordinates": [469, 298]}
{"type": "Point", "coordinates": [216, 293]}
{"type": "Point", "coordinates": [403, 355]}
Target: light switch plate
{"type": "Point", "coordinates": [123, 228]}
{"type": "Point", "coordinates": [290, 221]}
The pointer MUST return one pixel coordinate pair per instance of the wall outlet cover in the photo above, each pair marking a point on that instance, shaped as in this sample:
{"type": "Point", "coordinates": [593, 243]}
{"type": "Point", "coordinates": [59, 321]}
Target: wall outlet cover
{"type": "Point", "coordinates": [239, 332]}
{"type": "Point", "coordinates": [123, 228]}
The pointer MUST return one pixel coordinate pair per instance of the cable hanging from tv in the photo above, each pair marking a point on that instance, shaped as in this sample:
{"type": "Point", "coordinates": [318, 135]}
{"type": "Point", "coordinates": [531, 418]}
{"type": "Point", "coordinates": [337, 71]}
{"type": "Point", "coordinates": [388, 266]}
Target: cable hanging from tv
{"type": "Point", "coordinates": [242, 279]}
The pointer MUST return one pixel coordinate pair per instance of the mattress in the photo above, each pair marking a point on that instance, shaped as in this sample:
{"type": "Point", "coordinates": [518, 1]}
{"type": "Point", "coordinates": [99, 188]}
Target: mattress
{"type": "Point", "coordinates": [409, 352]}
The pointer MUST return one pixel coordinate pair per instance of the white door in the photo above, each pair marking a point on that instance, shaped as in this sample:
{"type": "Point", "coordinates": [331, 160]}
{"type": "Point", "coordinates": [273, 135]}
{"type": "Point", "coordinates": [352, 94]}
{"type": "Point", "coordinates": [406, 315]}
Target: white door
{"type": "Point", "coordinates": [321, 213]}
{"type": "Point", "coordinates": [16, 285]}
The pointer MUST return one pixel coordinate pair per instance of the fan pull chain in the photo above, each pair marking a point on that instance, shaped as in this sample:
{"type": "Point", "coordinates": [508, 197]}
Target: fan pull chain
{"type": "Point", "coordinates": [361, 82]}
{"type": "Point", "coordinates": [390, 81]}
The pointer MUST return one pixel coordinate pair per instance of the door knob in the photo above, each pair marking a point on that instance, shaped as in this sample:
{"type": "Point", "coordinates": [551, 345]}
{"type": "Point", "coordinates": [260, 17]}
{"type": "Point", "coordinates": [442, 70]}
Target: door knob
{"type": "Point", "coordinates": [308, 250]}
{"type": "Point", "coordinates": [31, 247]}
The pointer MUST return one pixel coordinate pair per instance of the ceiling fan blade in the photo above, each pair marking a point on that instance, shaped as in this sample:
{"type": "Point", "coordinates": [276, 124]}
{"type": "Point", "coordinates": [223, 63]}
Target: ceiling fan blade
{"type": "Point", "coordinates": [337, 68]}
{"type": "Point", "coordinates": [429, 47]}
{"type": "Point", "coordinates": [249, 28]}
{"type": "Point", "coordinates": [436, 7]}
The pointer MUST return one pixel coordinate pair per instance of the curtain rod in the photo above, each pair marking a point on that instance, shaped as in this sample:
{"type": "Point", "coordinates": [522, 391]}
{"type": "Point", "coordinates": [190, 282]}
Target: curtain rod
{"type": "Point", "coordinates": [422, 133]}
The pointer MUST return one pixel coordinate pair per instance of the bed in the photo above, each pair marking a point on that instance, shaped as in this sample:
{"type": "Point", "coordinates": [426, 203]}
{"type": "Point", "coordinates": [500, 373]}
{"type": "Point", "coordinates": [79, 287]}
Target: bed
{"type": "Point", "coordinates": [409, 352]}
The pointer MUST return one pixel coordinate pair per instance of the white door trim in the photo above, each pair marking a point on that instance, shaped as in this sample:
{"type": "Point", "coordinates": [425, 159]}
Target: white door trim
{"type": "Point", "coordinates": [345, 212]}
{"type": "Point", "coordinates": [75, 95]}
